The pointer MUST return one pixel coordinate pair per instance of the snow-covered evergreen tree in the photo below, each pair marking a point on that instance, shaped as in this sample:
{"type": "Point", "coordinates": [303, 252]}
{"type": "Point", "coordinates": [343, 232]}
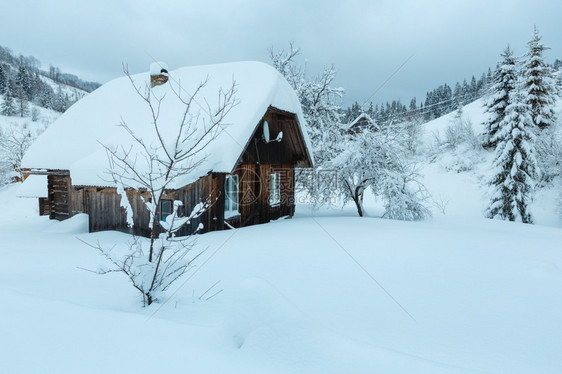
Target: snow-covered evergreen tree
{"type": "Point", "coordinates": [515, 164]}
{"type": "Point", "coordinates": [3, 78]}
{"type": "Point", "coordinates": [505, 80]}
{"type": "Point", "coordinates": [21, 102]}
{"type": "Point", "coordinates": [61, 102]}
{"type": "Point", "coordinates": [8, 107]}
{"type": "Point", "coordinates": [538, 84]}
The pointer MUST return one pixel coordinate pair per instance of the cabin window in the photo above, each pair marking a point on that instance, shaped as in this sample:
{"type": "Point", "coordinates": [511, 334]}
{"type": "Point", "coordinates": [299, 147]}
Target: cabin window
{"type": "Point", "coordinates": [165, 209]}
{"type": "Point", "coordinates": [231, 196]}
{"type": "Point", "coordinates": [274, 189]}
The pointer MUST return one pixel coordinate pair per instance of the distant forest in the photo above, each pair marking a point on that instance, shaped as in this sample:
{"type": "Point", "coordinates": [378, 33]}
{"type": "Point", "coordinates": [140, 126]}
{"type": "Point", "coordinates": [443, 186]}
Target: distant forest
{"type": "Point", "coordinates": [438, 102]}
{"type": "Point", "coordinates": [22, 81]}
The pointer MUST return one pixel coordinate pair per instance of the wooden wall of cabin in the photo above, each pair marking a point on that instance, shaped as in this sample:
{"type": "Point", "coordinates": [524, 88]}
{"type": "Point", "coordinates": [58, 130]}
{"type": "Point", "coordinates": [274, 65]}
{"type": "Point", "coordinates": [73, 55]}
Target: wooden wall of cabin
{"type": "Point", "coordinates": [59, 188]}
{"type": "Point", "coordinates": [103, 205]}
{"type": "Point", "coordinates": [291, 149]}
{"type": "Point", "coordinates": [44, 206]}
{"type": "Point", "coordinates": [254, 187]}
{"type": "Point", "coordinates": [208, 187]}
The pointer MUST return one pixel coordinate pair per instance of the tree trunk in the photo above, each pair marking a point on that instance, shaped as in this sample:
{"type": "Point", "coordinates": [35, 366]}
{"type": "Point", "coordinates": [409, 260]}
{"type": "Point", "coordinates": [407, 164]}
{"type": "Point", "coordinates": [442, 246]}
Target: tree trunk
{"type": "Point", "coordinates": [358, 204]}
{"type": "Point", "coordinates": [358, 199]}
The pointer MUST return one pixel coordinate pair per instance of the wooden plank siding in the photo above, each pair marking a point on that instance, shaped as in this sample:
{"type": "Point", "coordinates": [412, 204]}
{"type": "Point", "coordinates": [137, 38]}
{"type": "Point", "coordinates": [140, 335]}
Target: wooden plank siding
{"type": "Point", "coordinates": [208, 187]}
{"type": "Point", "coordinates": [44, 206]}
{"type": "Point", "coordinates": [59, 195]}
{"type": "Point", "coordinates": [291, 149]}
{"type": "Point", "coordinates": [254, 192]}
{"type": "Point", "coordinates": [103, 205]}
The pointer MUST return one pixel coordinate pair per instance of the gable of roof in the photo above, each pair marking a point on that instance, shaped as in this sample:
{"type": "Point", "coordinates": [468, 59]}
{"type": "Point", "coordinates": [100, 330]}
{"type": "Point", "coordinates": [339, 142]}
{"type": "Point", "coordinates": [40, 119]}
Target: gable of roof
{"type": "Point", "coordinates": [362, 120]}
{"type": "Point", "coordinates": [76, 140]}
{"type": "Point", "coordinates": [290, 149]}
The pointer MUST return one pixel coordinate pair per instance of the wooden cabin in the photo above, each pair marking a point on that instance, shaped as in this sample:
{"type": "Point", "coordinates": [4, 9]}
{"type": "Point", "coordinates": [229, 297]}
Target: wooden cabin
{"type": "Point", "coordinates": [249, 175]}
{"type": "Point", "coordinates": [362, 122]}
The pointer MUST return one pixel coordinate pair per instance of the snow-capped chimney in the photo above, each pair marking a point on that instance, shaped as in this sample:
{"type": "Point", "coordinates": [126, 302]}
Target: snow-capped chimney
{"type": "Point", "coordinates": [158, 73]}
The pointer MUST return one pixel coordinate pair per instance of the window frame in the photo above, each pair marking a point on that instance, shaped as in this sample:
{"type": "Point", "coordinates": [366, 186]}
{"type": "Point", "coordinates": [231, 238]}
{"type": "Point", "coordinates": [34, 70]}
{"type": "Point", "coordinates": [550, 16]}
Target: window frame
{"type": "Point", "coordinates": [231, 196]}
{"type": "Point", "coordinates": [275, 189]}
{"type": "Point", "coordinates": [161, 216]}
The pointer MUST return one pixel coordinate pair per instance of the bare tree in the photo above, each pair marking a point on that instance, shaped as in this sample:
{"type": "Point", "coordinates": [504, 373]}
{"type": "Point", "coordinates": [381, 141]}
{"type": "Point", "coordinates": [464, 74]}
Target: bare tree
{"type": "Point", "coordinates": [154, 165]}
{"type": "Point", "coordinates": [14, 142]}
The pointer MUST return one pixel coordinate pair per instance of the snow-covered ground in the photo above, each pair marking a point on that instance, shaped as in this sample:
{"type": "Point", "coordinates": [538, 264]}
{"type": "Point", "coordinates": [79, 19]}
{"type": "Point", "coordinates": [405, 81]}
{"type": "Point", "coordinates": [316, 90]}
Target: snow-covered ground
{"type": "Point", "coordinates": [323, 292]}
{"type": "Point", "coordinates": [44, 119]}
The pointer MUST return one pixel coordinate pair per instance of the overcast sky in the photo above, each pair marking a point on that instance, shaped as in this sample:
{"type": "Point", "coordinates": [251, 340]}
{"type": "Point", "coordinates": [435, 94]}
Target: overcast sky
{"type": "Point", "coordinates": [366, 41]}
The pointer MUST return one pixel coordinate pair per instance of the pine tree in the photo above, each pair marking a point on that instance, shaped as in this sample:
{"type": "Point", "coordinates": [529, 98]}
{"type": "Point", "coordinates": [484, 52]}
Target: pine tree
{"type": "Point", "coordinates": [8, 107]}
{"type": "Point", "coordinates": [24, 82]}
{"type": "Point", "coordinates": [413, 105]}
{"type": "Point", "coordinates": [46, 97]}
{"type": "Point", "coordinates": [481, 86]}
{"type": "Point", "coordinates": [465, 92]}
{"type": "Point", "coordinates": [515, 163]}
{"type": "Point", "coordinates": [505, 80]}
{"type": "Point", "coordinates": [458, 95]}
{"type": "Point", "coordinates": [538, 84]}
{"type": "Point", "coordinates": [3, 78]}
{"type": "Point", "coordinates": [473, 88]}
{"type": "Point", "coordinates": [21, 101]}
{"type": "Point", "coordinates": [353, 112]}
{"type": "Point", "coordinates": [60, 103]}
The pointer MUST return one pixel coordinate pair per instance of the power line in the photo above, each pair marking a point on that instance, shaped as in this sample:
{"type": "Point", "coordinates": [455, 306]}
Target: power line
{"type": "Point", "coordinates": [422, 110]}
{"type": "Point", "coordinates": [387, 80]}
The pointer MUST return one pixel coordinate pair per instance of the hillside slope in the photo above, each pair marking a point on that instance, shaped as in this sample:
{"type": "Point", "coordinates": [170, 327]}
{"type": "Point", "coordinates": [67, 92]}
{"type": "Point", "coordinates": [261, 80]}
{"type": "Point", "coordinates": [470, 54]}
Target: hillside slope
{"type": "Point", "coordinates": [457, 175]}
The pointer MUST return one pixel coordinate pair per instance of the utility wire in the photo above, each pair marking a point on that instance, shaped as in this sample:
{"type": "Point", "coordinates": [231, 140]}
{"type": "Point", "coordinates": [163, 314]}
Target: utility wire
{"type": "Point", "coordinates": [387, 80]}
{"type": "Point", "coordinates": [421, 110]}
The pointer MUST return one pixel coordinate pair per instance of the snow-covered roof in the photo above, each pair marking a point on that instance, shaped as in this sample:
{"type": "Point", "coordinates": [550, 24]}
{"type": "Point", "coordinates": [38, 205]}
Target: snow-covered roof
{"type": "Point", "coordinates": [75, 140]}
{"type": "Point", "coordinates": [157, 67]}
{"type": "Point", "coordinates": [362, 117]}
{"type": "Point", "coordinates": [33, 186]}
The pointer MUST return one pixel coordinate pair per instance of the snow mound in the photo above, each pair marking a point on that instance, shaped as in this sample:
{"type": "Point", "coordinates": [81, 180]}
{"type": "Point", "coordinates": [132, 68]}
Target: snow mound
{"type": "Point", "coordinates": [33, 186]}
{"type": "Point", "coordinates": [77, 224]}
{"type": "Point", "coordinates": [261, 314]}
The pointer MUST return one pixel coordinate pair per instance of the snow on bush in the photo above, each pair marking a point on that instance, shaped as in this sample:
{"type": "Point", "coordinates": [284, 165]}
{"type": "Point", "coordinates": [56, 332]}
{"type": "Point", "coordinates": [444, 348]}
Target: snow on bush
{"type": "Point", "coordinates": [459, 149]}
